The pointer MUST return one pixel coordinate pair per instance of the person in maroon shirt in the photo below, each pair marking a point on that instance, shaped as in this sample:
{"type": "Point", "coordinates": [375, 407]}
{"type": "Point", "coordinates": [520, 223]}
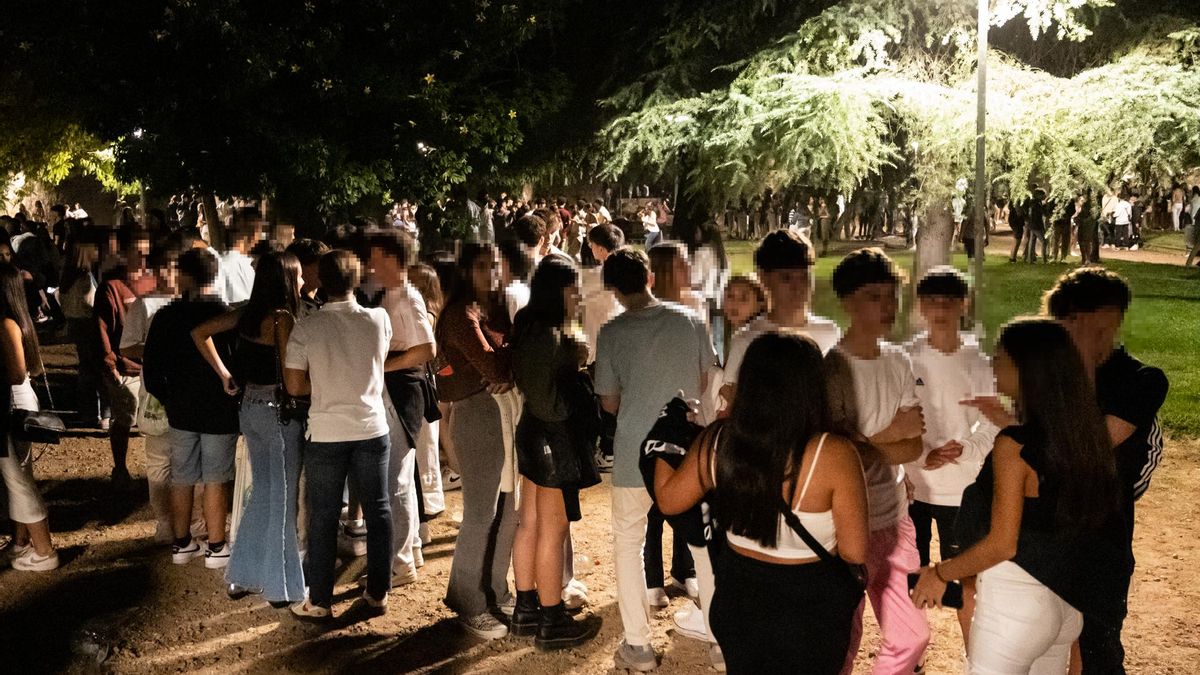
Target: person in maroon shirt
{"type": "Point", "coordinates": [121, 375]}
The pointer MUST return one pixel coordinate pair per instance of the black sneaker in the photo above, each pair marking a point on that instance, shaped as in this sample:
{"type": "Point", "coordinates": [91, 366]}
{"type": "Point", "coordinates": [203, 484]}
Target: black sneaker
{"type": "Point", "coordinates": [559, 631]}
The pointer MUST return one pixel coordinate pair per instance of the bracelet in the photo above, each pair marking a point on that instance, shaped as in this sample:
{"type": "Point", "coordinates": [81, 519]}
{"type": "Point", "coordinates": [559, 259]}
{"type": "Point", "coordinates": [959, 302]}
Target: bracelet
{"type": "Point", "coordinates": [937, 572]}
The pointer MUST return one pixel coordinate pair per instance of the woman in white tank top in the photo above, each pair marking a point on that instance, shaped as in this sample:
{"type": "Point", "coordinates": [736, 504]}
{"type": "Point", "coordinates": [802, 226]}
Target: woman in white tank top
{"type": "Point", "coordinates": [778, 607]}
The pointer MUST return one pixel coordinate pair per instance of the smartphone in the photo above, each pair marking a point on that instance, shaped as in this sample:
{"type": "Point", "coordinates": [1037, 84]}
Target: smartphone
{"type": "Point", "coordinates": [953, 597]}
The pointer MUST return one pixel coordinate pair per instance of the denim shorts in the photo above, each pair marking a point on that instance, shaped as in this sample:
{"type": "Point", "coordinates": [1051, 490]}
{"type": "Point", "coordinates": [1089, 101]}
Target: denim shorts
{"type": "Point", "coordinates": [201, 458]}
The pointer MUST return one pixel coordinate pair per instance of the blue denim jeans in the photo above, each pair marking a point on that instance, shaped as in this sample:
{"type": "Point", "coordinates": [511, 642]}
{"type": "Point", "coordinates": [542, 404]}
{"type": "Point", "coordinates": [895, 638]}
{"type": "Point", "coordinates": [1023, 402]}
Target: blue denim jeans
{"type": "Point", "coordinates": [266, 554]}
{"type": "Point", "coordinates": [326, 467]}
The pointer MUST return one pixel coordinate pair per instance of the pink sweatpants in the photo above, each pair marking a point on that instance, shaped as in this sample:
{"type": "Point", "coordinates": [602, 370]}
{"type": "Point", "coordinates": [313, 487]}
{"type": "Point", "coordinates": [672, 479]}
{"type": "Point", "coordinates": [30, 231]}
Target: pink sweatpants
{"type": "Point", "coordinates": [891, 555]}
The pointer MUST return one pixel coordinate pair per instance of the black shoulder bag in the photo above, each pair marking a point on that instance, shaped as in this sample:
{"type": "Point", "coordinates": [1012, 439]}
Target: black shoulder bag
{"type": "Point", "coordinates": [855, 576]}
{"type": "Point", "coordinates": [37, 426]}
{"type": "Point", "coordinates": [289, 408]}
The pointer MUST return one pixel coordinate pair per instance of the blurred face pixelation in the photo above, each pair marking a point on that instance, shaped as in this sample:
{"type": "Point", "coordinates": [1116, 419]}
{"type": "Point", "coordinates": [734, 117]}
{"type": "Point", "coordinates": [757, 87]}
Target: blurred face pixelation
{"type": "Point", "coordinates": [941, 312]}
{"type": "Point", "coordinates": [485, 274]}
{"type": "Point", "coordinates": [1095, 333]}
{"type": "Point", "coordinates": [788, 287]}
{"type": "Point", "coordinates": [741, 303]}
{"type": "Point", "coordinates": [873, 307]}
{"type": "Point", "coordinates": [571, 301]}
{"type": "Point", "coordinates": [1008, 379]}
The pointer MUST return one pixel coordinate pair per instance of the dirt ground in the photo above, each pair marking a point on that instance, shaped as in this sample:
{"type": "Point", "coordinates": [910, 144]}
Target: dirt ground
{"type": "Point", "coordinates": [118, 589]}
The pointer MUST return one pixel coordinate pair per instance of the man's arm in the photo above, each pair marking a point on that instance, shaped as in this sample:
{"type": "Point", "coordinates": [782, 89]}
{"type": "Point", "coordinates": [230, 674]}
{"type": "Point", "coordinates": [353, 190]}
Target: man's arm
{"type": "Point", "coordinates": [611, 403]}
{"type": "Point", "coordinates": [297, 382]}
{"type": "Point", "coordinates": [414, 357]}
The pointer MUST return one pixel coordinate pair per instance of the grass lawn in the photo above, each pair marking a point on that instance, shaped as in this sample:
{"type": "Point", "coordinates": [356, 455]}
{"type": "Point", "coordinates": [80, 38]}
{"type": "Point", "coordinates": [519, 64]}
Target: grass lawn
{"type": "Point", "coordinates": [1162, 327]}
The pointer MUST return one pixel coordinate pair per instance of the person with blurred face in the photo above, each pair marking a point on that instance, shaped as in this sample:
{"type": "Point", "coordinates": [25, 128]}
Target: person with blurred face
{"type": "Point", "coordinates": [783, 260]}
{"type": "Point", "coordinates": [1091, 302]}
{"type": "Point", "coordinates": [874, 394]}
{"type": "Point", "coordinates": [949, 368]}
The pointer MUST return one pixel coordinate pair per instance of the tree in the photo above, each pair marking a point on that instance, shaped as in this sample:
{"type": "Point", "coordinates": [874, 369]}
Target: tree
{"type": "Point", "coordinates": [881, 94]}
{"type": "Point", "coordinates": [326, 107]}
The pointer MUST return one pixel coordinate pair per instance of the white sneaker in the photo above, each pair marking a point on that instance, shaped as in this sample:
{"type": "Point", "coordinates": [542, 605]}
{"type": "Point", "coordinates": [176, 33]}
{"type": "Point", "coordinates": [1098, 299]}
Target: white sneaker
{"type": "Point", "coordinates": [17, 550]}
{"type": "Point", "coordinates": [689, 622]}
{"type": "Point", "coordinates": [451, 481]}
{"type": "Point", "coordinates": [657, 597]}
{"type": "Point", "coordinates": [418, 557]}
{"type": "Point", "coordinates": [351, 545]}
{"type": "Point", "coordinates": [404, 577]}
{"type": "Point", "coordinates": [30, 561]}
{"type": "Point", "coordinates": [184, 555]}
{"type": "Point", "coordinates": [484, 626]}
{"type": "Point", "coordinates": [641, 659]}
{"type": "Point", "coordinates": [423, 532]}
{"type": "Point", "coordinates": [574, 595]}
{"type": "Point", "coordinates": [215, 560]}
{"type": "Point", "coordinates": [309, 612]}
{"type": "Point", "coordinates": [690, 586]}
{"type": "Point", "coordinates": [376, 606]}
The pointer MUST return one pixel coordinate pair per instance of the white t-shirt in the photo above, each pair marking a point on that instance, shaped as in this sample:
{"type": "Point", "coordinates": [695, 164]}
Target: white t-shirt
{"type": "Point", "coordinates": [343, 347]}
{"type": "Point", "coordinates": [882, 386]}
{"type": "Point", "coordinates": [516, 296]}
{"type": "Point", "coordinates": [237, 277]}
{"type": "Point", "coordinates": [410, 321]}
{"type": "Point", "coordinates": [1122, 212]}
{"type": "Point", "coordinates": [943, 381]}
{"type": "Point", "coordinates": [822, 331]}
{"type": "Point", "coordinates": [138, 317]}
{"type": "Point", "coordinates": [597, 304]}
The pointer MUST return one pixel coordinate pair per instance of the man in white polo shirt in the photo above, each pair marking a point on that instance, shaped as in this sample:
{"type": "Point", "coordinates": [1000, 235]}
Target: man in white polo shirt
{"type": "Point", "coordinates": [337, 355]}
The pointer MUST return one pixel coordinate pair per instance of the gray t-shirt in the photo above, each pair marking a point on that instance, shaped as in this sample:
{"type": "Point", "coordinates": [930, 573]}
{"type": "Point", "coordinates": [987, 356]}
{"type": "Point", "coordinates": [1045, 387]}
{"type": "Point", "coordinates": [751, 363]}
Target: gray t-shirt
{"type": "Point", "coordinates": [646, 356]}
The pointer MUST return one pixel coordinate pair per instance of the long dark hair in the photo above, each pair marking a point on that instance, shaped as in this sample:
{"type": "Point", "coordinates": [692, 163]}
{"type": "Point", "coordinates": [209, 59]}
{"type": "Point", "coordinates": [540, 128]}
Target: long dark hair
{"type": "Point", "coordinates": [781, 405]}
{"type": "Point", "coordinates": [546, 307]}
{"type": "Point", "coordinates": [13, 306]}
{"type": "Point", "coordinates": [1058, 404]}
{"type": "Point", "coordinates": [464, 286]}
{"type": "Point", "coordinates": [275, 288]}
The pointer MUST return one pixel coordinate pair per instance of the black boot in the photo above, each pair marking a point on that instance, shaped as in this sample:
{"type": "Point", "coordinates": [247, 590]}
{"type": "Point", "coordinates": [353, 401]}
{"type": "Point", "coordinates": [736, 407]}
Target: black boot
{"type": "Point", "coordinates": [559, 631]}
{"type": "Point", "coordinates": [527, 614]}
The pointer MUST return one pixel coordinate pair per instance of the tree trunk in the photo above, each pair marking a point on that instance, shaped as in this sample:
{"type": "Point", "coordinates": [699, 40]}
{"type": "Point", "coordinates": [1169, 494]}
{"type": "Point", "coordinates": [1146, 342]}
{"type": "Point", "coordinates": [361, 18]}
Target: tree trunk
{"type": "Point", "coordinates": [935, 237]}
{"type": "Point", "coordinates": [216, 228]}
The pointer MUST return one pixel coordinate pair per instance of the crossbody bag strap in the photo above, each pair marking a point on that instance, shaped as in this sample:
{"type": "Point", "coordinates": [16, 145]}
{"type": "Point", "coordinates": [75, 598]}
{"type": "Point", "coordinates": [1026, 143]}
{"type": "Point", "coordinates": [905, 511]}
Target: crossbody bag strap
{"type": "Point", "coordinates": [278, 353]}
{"type": "Point", "coordinates": [815, 546]}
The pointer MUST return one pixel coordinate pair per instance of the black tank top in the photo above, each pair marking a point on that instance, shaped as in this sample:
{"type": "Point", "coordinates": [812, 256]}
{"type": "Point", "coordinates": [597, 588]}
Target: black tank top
{"type": "Point", "coordinates": [255, 362]}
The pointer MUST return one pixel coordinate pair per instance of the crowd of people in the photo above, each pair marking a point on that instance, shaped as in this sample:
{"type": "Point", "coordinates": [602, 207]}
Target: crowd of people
{"type": "Point", "coordinates": [802, 467]}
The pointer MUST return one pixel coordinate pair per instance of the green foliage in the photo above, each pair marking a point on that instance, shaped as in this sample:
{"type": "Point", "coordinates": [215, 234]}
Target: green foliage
{"type": "Point", "coordinates": [881, 92]}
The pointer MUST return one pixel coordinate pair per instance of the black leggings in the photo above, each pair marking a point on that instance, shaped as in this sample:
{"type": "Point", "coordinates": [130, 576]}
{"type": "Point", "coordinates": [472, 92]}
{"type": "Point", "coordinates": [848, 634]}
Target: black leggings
{"type": "Point", "coordinates": [771, 618]}
{"type": "Point", "coordinates": [682, 565]}
{"type": "Point", "coordinates": [923, 517]}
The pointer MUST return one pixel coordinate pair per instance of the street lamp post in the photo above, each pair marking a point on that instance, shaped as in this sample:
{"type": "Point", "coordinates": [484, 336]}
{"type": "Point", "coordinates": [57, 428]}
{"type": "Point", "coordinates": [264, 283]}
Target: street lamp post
{"type": "Point", "coordinates": [981, 191]}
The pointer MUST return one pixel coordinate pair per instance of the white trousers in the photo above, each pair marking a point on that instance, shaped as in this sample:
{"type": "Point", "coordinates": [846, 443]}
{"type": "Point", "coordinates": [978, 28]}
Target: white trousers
{"type": "Point", "coordinates": [402, 489]}
{"type": "Point", "coordinates": [629, 509]}
{"type": "Point", "coordinates": [707, 582]}
{"type": "Point", "coordinates": [1020, 625]}
{"type": "Point", "coordinates": [430, 468]}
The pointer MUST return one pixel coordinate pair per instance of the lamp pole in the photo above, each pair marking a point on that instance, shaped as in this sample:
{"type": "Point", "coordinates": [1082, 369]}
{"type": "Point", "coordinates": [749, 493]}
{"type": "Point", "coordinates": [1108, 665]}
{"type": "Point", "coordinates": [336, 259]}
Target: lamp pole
{"type": "Point", "coordinates": [981, 191]}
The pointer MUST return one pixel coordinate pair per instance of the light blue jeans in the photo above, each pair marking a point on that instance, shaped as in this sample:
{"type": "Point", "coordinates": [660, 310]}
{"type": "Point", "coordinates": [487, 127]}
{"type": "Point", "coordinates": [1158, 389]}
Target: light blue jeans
{"type": "Point", "coordinates": [266, 554]}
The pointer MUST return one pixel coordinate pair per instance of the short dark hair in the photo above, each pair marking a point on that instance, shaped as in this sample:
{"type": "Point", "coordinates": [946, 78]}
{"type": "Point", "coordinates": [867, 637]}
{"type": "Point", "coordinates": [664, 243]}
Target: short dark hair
{"type": "Point", "coordinates": [1086, 289]}
{"type": "Point", "coordinates": [395, 243]}
{"type": "Point", "coordinates": [783, 249]}
{"type": "Point", "coordinates": [862, 267]}
{"type": "Point", "coordinates": [529, 229]}
{"type": "Point", "coordinates": [200, 265]}
{"type": "Point", "coordinates": [943, 281]}
{"type": "Point", "coordinates": [340, 272]}
{"type": "Point", "coordinates": [307, 251]}
{"type": "Point", "coordinates": [516, 256]}
{"type": "Point", "coordinates": [627, 270]}
{"type": "Point", "coordinates": [606, 236]}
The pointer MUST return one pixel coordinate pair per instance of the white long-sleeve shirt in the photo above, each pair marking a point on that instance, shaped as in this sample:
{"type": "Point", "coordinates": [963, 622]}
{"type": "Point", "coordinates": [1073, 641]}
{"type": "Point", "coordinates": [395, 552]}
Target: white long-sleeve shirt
{"type": "Point", "coordinates": [943, 382]}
